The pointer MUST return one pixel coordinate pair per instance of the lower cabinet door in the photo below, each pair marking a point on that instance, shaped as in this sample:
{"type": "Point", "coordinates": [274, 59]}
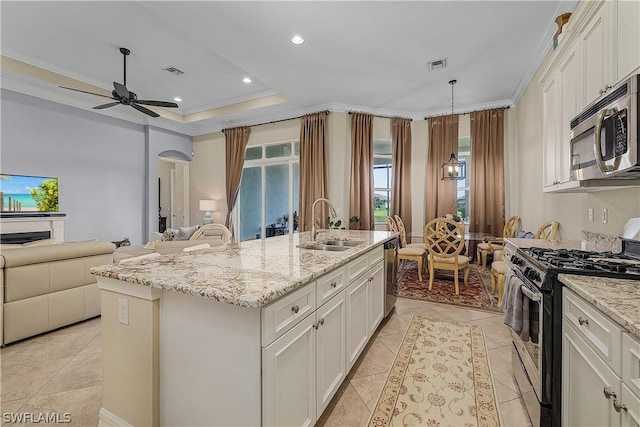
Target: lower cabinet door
{"type": "Point", "coordinates": [585, 378]}
{"type": "Point", "coordinates": [331, 362]}
{"type": "Point", "coordinates": [289, 377]}
{"type": "Point", "coordinates": [376, 297]}
{"type": "Point", "coordinates": [357, 324]}
{"type": "Point", "coordinates": [631, 412]}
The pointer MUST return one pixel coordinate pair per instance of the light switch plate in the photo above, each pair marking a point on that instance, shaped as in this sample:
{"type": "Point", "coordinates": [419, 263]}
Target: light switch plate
{"type": "Point", "coordinates": [590, 212]}
{"type": "Point", "coordinates": [123, 311]}
{"type": "Point", "coordinates": [605, 215]}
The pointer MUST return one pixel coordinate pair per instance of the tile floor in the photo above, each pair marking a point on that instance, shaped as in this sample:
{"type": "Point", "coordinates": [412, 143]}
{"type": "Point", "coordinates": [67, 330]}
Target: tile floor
{"type": "Point", "coordinates": [61, 371]}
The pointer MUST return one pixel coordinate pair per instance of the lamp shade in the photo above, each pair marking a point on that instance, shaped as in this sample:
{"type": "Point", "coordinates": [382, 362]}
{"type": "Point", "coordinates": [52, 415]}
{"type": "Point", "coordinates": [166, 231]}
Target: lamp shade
{"type": "Point", "coordinates": [208, 205]}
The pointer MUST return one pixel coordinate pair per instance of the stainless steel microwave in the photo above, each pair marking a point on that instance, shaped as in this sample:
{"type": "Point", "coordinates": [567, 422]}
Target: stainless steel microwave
{"type": "Point", "coordinates": [604, 136]}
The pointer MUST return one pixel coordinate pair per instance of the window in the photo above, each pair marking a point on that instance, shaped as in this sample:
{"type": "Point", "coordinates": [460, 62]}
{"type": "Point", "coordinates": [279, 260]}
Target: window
{"type": "Point", "coordinates": [268, 198]}
{"type": "Point", "coordinates": [382, 175]}
{"type": "Point", "coordinates": [463, 203]}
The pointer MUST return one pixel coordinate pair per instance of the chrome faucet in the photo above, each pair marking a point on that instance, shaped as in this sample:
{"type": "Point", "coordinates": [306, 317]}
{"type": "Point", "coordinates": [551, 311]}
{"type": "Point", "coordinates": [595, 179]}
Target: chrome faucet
{"type": "Point", "coordinates": [314, 232]}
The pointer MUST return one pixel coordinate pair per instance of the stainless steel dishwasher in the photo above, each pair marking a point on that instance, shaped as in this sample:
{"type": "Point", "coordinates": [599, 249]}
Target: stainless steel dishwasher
{"type": "Point", "coordinates": [390, 274]}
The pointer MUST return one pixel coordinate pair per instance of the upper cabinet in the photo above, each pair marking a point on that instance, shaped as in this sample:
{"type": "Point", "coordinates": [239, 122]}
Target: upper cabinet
{"type": "Point", "coordinates": [627, 41]}
{"type": "Point", "coordinates": [595, 64]}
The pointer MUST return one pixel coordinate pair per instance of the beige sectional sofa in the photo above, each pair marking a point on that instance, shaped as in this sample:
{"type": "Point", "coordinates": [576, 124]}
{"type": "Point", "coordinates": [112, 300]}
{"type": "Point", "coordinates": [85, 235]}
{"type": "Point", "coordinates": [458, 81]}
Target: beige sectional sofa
{"type": "Point", "coordinates": [46, 287]}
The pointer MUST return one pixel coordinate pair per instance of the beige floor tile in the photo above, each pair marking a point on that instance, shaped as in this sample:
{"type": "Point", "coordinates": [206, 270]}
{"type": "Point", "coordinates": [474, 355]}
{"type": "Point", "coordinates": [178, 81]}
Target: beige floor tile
{"type": "Point", "coordinates": [369, 388]}
{"type": "Point", "coordinates": [13, 406]}
{"type": "Point", "coordinates": [514, 414]}
{"type": "Point", "coordinates": [87, 327]}
{"type": "Point", "coordinates": [392, 341]}
{"type": "Point", "coordinates": [393, 325]}
{"type": "Point", "coordinates": [504, 393]}
{"type": "Point", "coordinates": [501, 370]}
{"type": "Point", "coordinates": [46, 347]}
{"type": "Point", "coordinates": [467, 315]}
{"type": "Point", "coordinates": [346, 409]}
{"type": "Point", "coordinates": [495, 329]}
{"type": "Point", "coordinates": [375, 359]}
{"type": "Point", "coordinates": [81, 372]}
{"type": "Point", "coordinates": [94, 346]}
{"type": "Point", "coordinates": [25, 380]}
{"type": "Point", "coordinates": [82, 405]}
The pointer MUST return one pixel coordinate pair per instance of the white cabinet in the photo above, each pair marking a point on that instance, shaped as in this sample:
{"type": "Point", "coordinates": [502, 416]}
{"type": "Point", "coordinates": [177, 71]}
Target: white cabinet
{"type": "Point", "coordinates": [357, 326]}
{"type": "Point", "coordinates": [600, 368]}
{"type": "Point", "coordinates": [627, 38]}
{"type": "Point", "coordinates": [595, 51]}
{"type": "Point", "coordinates": [375, 302]}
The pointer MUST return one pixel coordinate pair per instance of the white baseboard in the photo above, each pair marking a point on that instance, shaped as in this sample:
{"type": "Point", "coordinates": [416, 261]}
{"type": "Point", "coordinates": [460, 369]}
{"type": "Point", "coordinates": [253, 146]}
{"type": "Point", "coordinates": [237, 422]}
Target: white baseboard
{"type": "Point", "coordinates": [108, 419]}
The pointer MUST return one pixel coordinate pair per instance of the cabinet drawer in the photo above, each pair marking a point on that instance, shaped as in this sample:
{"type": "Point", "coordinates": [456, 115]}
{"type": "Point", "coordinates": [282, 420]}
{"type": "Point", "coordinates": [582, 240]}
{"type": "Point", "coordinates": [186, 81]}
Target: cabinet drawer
{"type": "Point", "coordinates": [356, 267]}
{"type": "Point", "coordinates": [375, 255]}
{"type": "Point", "coordinates": [600, 333]}
{"type": "Point", "coordinates": [329, 285]}
{"type": "Point", "coordinates": [283, 314]}
{"type": "Point", "coordinates": [631, 363]}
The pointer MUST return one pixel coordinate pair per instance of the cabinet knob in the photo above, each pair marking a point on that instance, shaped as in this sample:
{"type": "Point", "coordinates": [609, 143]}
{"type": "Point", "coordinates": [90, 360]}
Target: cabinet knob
{"type": "Point", "coordinates": [605, 89]}
{"type": "Point", "coordinates": [295, 309]}
{"type": "Point", "coordinates": [321, 321]}
{"type": "Point", "coordinates": [583, 321]}
{"type": "Point", "coordinates": [334, 284]}
{"type": "Point", "coordinates": [316, 325]}
{"type": "Point", "coordinates": [608, 393]}
{"type": "Point", "coordinates": [617, 406]}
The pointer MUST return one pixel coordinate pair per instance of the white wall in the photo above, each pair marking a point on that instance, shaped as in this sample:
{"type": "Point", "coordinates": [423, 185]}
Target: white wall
{"type": "Point", "coordinates": [101, 164]}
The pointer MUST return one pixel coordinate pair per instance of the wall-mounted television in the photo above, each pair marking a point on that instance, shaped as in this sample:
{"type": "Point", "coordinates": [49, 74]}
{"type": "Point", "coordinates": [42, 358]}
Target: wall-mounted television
{"type": "Point", "coordinates": [26, 194]}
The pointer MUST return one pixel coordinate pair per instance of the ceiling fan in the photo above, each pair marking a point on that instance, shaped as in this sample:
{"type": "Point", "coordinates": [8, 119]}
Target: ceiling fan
{"type": "Point", "coordinates": [123, 96]}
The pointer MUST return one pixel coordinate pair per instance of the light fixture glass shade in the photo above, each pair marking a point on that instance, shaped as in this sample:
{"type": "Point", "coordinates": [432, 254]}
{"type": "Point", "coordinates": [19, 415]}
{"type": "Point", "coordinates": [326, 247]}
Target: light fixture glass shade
{"type": "Point", "coordinates": [454, 168]}
{"type": "Point", "coordinates": [208, 206]}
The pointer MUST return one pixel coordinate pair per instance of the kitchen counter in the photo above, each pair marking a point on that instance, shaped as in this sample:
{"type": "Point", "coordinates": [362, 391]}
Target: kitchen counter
{"type": "Point", "coordinates": [617, 298]}
{"type": "Point", "coordinates": [248, 274]}
{"type": "Point", "coordinates": [541, 243]}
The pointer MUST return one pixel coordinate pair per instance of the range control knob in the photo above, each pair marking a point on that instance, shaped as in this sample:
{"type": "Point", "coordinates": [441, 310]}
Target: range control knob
{"type": "Point", "coordinates": [517, 261]}
{"type": "Point", "coordinates": [532, 275]}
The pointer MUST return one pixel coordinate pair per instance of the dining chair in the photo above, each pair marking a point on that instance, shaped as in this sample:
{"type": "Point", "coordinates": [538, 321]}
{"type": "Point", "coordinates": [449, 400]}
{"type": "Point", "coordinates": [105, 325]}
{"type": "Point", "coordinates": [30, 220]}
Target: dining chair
{"type": "Point", "coordinates": [547, 231]}
{"type": "Point", "coordinates": [407, 252]}
{"type": "Point", "coordinates": [486, 248]}
{"type": "Point", "coordinates": [498, 270]}
{"type": "Point", "coordinates": [400, 226]}
{"type": "Point", "coordinates": [444, 239]}
{"type": "Point", "coordinates": [391, 224]}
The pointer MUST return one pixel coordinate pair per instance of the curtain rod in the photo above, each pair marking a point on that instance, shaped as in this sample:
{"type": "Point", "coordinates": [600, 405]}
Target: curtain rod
{"type": "Point", "coordinates": [277, 121]}
{"type": "Point", "coordinates": [506, 107]}
{"type": "Point", "coordinates": [382, 117]}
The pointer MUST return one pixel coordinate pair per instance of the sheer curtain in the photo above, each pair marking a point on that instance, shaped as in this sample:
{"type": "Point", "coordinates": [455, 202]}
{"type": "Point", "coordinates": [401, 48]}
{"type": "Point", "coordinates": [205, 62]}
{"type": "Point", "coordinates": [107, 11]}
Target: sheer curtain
{"type": "Point", "coordinates": [236, 142]}
{"type": "Point", "coordinates": [487, 167]}
{"type": "Point", "coordinates": [441, 194]}
{"type": "Point", "coordinates": [401, 166]}
{"type": "Point", "coordinates": [313, 168]}
{"type": "Point", "coordinates": [361, 200]}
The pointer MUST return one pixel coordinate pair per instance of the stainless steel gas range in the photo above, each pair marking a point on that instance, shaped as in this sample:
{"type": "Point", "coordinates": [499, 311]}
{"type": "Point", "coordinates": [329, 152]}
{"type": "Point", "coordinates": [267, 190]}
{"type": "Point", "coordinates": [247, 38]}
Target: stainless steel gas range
{"type": "Point", "coordinates": [537, 355]}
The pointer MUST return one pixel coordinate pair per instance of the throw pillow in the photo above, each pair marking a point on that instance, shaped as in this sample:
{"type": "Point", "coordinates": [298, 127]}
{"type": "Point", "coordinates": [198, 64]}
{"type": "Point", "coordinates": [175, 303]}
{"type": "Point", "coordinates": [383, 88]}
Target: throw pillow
{"type": "Point", "coordinates": [185, 232]}
{"type": "Point", "coordinates": [169, 234]}
{"type": "Point", "coordinates": [154, 235]}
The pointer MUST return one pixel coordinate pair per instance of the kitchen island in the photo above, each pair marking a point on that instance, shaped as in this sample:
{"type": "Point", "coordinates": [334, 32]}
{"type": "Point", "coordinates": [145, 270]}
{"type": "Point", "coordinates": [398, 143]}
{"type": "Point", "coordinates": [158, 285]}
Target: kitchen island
{"type": "Point", "coordinates": [257, 333]}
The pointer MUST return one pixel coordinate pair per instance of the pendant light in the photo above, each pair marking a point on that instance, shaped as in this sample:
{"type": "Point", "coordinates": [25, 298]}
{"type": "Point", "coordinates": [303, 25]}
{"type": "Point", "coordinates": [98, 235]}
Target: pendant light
{"type": "Point", "coordinates": [453, 168]}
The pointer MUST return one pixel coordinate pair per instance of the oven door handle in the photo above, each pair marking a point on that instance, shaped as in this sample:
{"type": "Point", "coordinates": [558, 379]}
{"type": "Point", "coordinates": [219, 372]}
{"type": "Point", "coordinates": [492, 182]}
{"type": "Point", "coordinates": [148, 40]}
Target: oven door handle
{"type": "Point", "coordinates": [530, 294]}
{"type": "Point", "coordinates": [597, 149]}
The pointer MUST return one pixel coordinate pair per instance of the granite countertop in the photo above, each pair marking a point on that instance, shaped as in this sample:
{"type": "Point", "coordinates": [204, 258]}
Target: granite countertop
{"type": "Point", "coordinates": [617, 298]}
{"type": "Point", "coordinates": [541, 243]}
{"type": "Point", "coordinates": [248, 274]}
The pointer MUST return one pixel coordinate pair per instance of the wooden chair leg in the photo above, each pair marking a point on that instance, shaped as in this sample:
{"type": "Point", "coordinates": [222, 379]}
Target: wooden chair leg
{"type": "Point", "coordinates": [478, 255]}
{"type": "Point", "coordinates": [419, 268]}
{"type": "Point", "coordinates": [466, 274]}
{"type": "Point", "coordinates": [493, 282]}
{"type": "Point", "coordinates": [500, 289]}
{"type": "Point", "coordinates": [430, 275]}
{"type": "Point", "coordinates": [455, 281]}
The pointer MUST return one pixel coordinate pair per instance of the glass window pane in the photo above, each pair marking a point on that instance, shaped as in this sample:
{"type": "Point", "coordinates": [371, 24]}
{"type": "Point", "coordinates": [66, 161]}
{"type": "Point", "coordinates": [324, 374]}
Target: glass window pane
{"type": "Point", "coordinates": [296, 148]}
{"type": "Point", "coordinates": [253, 153]}
{"type": "Point", "coordinates": [381, 201]}
{"type": "Point", "coordinates": [381, 173]}
{"type": "Point", "coordinates": [277, 199]}
{"type": "Point", "coordinates": [381, 147]}
{"type": "Point", "coordinates": [250, 203]}
{"type": "Point", "coordinates": [296, 192]}
{"type": "Point", "coordinates": [278, 150]}
{"type": "Point", "coordinates": [463, 204]}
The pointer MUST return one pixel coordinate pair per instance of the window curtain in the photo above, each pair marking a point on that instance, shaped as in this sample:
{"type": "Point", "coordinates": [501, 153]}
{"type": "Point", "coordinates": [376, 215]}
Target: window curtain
{"type": "Point", "coordinates": [401, 166]}
{"type": "Point", "coordinates": [487, 168]}
{"type": "Point", "coordinates": [361, 201]}
{"type": "Point", "coordinates": [313, 168]}
{"type": "Point", "coordinates": [236, 142]}
{"type": "Point", "coordinates": [441, 194]}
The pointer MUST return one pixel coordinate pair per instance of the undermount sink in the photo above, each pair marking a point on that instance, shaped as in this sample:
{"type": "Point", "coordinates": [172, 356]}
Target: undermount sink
{"type": "Point", "coordinates": [321, 247]}
{"type": "Point", "coordinates": [343, 242]}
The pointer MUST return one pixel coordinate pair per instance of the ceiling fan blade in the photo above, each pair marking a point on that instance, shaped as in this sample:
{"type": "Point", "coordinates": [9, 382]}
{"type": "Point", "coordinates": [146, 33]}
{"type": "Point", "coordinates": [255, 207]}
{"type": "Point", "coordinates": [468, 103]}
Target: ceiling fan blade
{"type": "Point", "coordinates": [157, 103]}
{"type": "Point", "coordinates": [121, 90]}
{"type": "Point", "coordinates": [84, 91]}
{"type": "Point", "coordinates": [103, 106]}
{"type": "Point", "coordinates": [145, 110]}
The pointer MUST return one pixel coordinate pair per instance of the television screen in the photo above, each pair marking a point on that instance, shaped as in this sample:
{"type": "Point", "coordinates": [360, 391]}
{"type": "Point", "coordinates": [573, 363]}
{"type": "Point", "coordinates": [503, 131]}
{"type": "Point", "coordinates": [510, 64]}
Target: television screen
{"type": "Point", "coordinates": [20, 193]}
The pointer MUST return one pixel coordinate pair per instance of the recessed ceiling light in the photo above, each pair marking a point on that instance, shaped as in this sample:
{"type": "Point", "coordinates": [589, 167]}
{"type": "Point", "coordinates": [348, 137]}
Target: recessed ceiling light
{"type": "Point", "coordinates": [297, 39]}
{"type": "Point", "coordinates": [177, 99]}
{"type": "Point", "coordinates": [247, 80]}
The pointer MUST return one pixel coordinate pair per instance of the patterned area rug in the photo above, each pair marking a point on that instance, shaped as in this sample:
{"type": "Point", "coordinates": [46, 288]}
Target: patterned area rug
{"type": "Point", "coordinates": [476, 295]}
{"type": "Point", "coordinates": [441, 377]}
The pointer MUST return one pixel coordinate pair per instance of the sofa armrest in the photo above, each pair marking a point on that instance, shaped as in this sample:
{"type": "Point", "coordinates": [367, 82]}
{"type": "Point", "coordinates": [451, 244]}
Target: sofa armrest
{"type": "Point", "coordinates": [58, 252]}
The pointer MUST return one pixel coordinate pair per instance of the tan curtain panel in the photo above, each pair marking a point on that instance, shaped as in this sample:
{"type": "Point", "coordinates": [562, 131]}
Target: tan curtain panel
{"type": "Point", "coordinates": [313, 168]}
{"type": "Point", "coordinates": [236, 142]}
{"type": "Point", "coordinates": [487, 168]}
{"type": "Point", "coordinates": [441, 194]}
{"type": "Point", "coordinates": [361, 201]}
{"type": "Point", "coordinates": [401, 166]}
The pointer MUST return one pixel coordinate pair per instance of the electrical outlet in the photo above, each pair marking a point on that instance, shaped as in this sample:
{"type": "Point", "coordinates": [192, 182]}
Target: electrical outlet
{"type": "Point", "coordinates": [590, 211]}
{"type": "Point", "coordinates": [123, 311]}
{"type": "Point", "coordinates": [605, 215]}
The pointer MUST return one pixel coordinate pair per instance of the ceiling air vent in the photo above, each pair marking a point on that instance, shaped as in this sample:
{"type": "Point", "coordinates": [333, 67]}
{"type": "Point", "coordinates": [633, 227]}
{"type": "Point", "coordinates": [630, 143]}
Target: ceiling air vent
{"type": "Point", "coordinates": [439, 63]}
{"type": "Point", "coordinates": [173, 70]}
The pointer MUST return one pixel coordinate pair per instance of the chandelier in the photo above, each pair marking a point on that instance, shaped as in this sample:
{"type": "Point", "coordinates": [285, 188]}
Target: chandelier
{"type": "Point", "coordinates": [453, 168]}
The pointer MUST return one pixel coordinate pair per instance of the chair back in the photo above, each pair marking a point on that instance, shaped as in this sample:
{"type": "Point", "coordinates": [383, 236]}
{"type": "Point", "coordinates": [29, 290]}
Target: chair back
{"type": "Point", "coordinates": [511, 227]}
{"type": "Point", "coordinates": [547, 231]}
{"type": "Point", "coordinates": [443, 237]}
{"type": "Point", "coordinates": [214, 234]}
{"type": "Point", "coordinates": [401, 230]}
{"type": "Point", "coordinates": [391, 223]}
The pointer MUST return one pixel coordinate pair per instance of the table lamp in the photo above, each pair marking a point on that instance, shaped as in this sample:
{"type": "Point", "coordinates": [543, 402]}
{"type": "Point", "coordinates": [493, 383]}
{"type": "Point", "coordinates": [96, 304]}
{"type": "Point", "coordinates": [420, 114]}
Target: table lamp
{"type": "Point", "coordinates": [208, 206]}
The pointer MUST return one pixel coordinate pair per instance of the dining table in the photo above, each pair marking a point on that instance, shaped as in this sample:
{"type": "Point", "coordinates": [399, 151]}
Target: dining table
{"type": "Point", "coordinates": [472, 240]}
